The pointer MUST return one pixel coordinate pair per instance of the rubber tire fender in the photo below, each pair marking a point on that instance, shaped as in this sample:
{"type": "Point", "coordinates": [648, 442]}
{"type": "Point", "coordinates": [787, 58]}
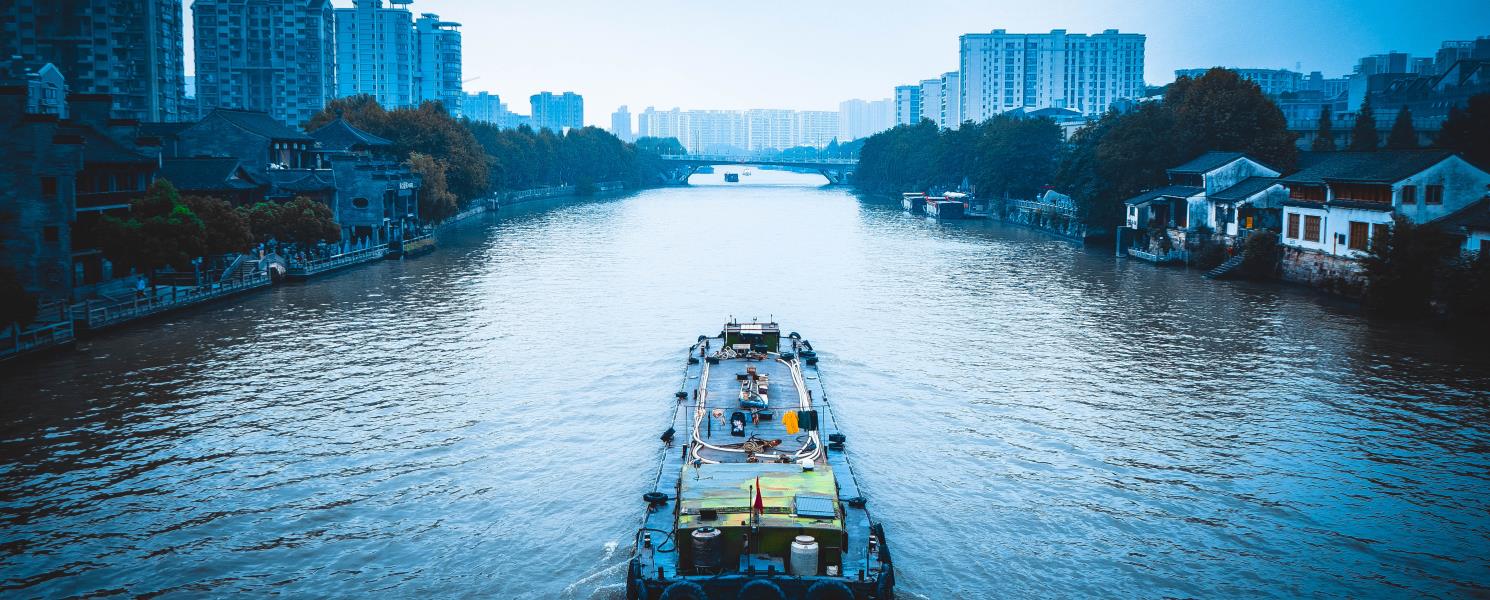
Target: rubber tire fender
{"type": "Point", "coordinates": [829, 590]}
{"type": "Point", "coordinates": [684, 590]}
{"type": "Point", "coordinates": [761, 589]}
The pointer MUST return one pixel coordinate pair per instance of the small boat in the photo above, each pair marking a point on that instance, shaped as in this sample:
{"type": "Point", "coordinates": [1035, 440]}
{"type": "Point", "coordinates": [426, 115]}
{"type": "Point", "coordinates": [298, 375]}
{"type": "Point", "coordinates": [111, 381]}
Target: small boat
{"type": "Point", "coordinates": [756, 499]}
{"type": "Point", "coordinates": [946, 207]}
{"type": "Point", "coordinates": [732, 178]}
{"type": "Point", "coordinates": [913, 201]}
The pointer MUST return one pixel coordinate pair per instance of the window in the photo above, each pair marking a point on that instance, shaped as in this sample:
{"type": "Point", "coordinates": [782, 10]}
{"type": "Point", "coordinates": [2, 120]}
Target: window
{"type": "Point", "coordinates": [1293, 226]}
{"type": "Point", "coordinates": [1311, 228]}
{"type": "Point", "coordinates": [1409, 194]}
{"type": "Point", "coordinates": [48, 188]}
{"type": "Point", "coordinates": [50, 233]}
{"type": "Point", "coordinates": [1433, 194]}
{"type": "Point", "coordinates": [1359, 235]}
{"type": "Point", "coordinates": [359, 202]}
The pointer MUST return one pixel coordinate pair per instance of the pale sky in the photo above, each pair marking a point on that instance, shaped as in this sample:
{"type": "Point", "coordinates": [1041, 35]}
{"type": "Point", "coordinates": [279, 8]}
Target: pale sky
{"type": "Point", "coordinates": [811, 54]}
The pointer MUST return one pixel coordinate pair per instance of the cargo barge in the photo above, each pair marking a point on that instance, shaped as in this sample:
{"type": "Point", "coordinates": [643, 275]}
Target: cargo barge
{"type": "Point", "coordinates": [755, 497]}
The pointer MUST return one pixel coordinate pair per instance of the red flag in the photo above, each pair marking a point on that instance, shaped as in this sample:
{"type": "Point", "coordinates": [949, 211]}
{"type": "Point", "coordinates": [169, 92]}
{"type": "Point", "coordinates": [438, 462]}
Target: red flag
{"type": "Point", "coordinates": [760, 503]}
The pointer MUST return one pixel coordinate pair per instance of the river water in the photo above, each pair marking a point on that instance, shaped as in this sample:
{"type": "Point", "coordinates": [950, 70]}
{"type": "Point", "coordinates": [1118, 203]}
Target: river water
{"type": "Point", "coordinates": [1029, 418]}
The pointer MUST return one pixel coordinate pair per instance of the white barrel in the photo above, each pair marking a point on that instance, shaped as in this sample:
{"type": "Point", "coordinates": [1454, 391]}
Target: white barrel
{"type": "Point", "coordinates": [804, 556]}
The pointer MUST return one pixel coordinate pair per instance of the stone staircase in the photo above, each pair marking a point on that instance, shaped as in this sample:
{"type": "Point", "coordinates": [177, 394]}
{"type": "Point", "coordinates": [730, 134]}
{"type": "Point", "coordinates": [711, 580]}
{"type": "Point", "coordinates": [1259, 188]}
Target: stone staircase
{"type": "Point", "coordinates": [1226, 268]}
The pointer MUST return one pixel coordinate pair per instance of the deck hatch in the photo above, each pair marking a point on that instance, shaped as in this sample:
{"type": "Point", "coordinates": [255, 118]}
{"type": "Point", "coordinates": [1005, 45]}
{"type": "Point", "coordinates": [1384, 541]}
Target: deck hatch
{"type": "Point", "coordinates": [815, 507]}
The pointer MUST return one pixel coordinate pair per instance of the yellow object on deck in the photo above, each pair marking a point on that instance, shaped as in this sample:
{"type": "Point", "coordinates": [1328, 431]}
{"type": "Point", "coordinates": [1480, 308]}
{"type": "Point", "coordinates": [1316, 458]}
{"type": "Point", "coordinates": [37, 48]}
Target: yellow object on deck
{"type": "Point", "coordinates": [789, 421]}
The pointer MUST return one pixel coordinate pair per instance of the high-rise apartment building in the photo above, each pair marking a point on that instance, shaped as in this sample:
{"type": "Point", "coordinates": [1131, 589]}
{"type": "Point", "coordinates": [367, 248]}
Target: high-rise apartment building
{"type": "Point", "coordinates": [558, 111]}
{"type": "Point", "coordinates": [384, 52]}
{"type": "Point", "coordinates": [816, 128]}
{"type": "Point", "coordinates": [1272, 81]}
{"type": "Point", "coordinates": [275, 56]}
{"type": "Point", "coordinates": [907, 104]}
{"type": "Point", "coordinates": [439, 53]}
{"type": "Point", "coordinates": [727, 131]}
{"type": "Point", "coordinates": [620, 124]}
{"type": "Point", "coordinates": [484, 107]}
{"type": "Point", "coordinates": [375, 53]}
{"type": "Point", "coordinates": [931, 100]}
{"type": "Point", "coordinates": [131, 50]}
{"type": "Point", "coordinates": [949, 114]}
{"type": "Point", "coordinates": [860, 118]}
{"type": "Point", "coordinates": [1086, 73]}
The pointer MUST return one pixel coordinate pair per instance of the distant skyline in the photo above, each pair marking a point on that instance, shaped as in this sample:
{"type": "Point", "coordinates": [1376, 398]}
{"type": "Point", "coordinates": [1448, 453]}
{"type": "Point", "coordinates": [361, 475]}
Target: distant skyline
{"type": "Point", "coordinates": [812, 55]}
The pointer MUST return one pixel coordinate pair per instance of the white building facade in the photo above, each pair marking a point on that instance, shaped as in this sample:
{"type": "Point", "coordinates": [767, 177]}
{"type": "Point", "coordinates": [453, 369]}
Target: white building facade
{"type": "Point", "coordinates": [907, 104]}
{"type": "Point", "coordinates": [1087, 73]}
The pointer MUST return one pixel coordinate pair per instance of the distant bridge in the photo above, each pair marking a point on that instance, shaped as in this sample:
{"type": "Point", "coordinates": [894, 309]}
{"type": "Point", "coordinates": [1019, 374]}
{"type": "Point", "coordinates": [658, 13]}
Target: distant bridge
{"type": "Point", "coordinates": [836, 170]}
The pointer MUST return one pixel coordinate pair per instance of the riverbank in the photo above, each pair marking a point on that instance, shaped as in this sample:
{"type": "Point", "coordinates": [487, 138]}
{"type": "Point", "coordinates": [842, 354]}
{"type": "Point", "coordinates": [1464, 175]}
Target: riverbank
{"type": "Point", "coordinates": [58, 327]}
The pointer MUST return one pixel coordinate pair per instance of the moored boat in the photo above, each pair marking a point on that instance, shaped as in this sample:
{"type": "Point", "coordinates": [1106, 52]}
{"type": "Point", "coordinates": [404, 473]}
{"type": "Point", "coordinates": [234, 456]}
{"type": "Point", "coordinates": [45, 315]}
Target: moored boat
{"type": "Point", "coordinates": [913, 201]}
{"type": "Point", "coordinates": [756, 498]}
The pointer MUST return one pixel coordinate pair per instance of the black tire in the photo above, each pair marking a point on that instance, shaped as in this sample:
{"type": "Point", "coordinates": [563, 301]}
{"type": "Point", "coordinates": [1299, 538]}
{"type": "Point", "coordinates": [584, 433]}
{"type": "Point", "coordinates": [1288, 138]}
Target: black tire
{"type": "Point", "coordinates": [684, 590]}
{"type": "Point", "coordinates": [654, 497]}
{"type": "Point", "coordinates": [829, 590]}
{"type": "Point", "coordinates": [761, 589]}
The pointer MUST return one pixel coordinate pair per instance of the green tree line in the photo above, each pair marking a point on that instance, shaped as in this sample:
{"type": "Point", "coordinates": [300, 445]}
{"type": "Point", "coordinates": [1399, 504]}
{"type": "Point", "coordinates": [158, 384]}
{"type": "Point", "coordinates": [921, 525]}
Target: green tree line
{"type": "Point", "coordinates": [461, 160]}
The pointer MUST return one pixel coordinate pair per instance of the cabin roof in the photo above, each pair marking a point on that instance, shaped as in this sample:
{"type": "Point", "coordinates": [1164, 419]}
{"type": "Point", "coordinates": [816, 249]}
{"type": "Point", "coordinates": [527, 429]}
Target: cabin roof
{"type": "Point", "coordinates": [1245, 189]}
{"type": "Point", "coordinates": [1170, 191]}
{"type": "Point", "coordinates": [1384, 166]}
{"type": "Point", "coordinates": [1208, 162]}
{"type": "Point", "coordinates": [1475, 217]}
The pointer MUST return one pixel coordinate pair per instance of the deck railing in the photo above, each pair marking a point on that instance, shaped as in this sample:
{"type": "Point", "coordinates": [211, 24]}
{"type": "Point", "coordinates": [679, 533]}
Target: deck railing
{"type": "Point", "coordinates": [37, 335]}
{"type": "Point", "coordinates": [1042, 207]}
{"type": "Point", "coordinates": [308, 267]}
{"type": "Point", "coordinates": [95, 314]}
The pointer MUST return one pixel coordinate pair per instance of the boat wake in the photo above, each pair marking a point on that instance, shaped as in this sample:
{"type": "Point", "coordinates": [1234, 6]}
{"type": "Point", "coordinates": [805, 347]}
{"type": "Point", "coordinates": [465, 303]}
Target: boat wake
{"type": "Point", "coordinates": [604, 584]}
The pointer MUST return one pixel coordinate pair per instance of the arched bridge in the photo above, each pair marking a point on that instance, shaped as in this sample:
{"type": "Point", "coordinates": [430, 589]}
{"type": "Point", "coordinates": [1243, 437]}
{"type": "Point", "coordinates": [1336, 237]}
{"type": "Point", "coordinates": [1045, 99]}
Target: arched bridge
{"type": "Point", "coordinates": [836, 170]}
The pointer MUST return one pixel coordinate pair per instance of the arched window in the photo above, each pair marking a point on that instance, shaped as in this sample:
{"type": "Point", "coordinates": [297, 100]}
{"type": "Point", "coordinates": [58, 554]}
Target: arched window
{"type": "Point", "coordinates": [359, 202]}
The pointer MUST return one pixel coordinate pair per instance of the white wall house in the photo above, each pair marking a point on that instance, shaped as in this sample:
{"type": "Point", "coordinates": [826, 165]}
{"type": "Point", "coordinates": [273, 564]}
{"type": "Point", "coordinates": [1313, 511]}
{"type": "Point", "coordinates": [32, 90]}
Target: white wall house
{"type": "Point", "coordinates": [1340, 200]}
{"type": "Point", "coordinates": [1217, 173]}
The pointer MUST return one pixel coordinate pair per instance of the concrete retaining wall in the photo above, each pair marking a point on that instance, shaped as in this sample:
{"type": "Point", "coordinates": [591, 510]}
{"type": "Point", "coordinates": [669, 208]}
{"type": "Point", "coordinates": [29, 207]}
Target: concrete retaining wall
{"type": "Point", "coordinates": [1330, 273]}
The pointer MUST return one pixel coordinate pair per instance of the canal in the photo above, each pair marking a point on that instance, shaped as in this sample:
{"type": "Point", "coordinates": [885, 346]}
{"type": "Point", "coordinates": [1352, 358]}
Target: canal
{"type": "Point", "coordinates": [1029, 418]}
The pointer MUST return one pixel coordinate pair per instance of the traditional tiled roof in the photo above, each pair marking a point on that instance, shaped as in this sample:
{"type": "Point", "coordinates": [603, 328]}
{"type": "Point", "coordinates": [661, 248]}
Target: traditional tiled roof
{"type": "Point", "coordinates": [261, 124]}
{"type": "Point", "coordinates": [1245, 189]}
{"type": "Point", "coordinates": [301, 180]}
{"type": "Point", "coordinates": [1475, 217]}
{"type": "Point", "coordinates": [1208, 162]}
{"type": "Point", "coordinates": [340, 136]}
{"type": "Point", "coordinates": [99, 148]}
{"type": "Point", "coordinates": [163, 130]}
{"type": "Point", "coordinates": [194, 174]}
{"type": "Point", "coordinates": [1385, 166]}
{"type": "Point", "coordinates": [1169, 191]}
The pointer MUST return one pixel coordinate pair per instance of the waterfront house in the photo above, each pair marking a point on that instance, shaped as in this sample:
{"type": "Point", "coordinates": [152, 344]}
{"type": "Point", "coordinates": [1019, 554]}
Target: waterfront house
{"type": "Point", "coordinates": [1338, 201]}
{"type": "Point", "coordinates": [1230, 182]}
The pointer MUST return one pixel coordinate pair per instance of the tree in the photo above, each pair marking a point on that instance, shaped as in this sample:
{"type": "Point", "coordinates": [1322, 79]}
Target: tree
{"type": "Point", "coordinates": [308, 221]}
{"type": "Point", "coordinates": [1401, 268]}
{"type": "Point", "coordinates": [1403, 135]}
{"type": "Point", "coordinates": [226, 229]}
{"type": "Point", "coordinates": [302, 220]}
{"type": "Point", "coordinates": [1324, 140]}
{"type": "Point", "coordinates": [1221, 111]}
{"type": "Point", "coordinates": [436, 203]}
{"type": "Point", "coordinates": [16, 305]}
{"type": "Point", "coordinates": [160, 231]}
{"type": "Point", "coordinates": [1467, 131]}
{"type": "Point", "coordinates": [1363, 137]}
